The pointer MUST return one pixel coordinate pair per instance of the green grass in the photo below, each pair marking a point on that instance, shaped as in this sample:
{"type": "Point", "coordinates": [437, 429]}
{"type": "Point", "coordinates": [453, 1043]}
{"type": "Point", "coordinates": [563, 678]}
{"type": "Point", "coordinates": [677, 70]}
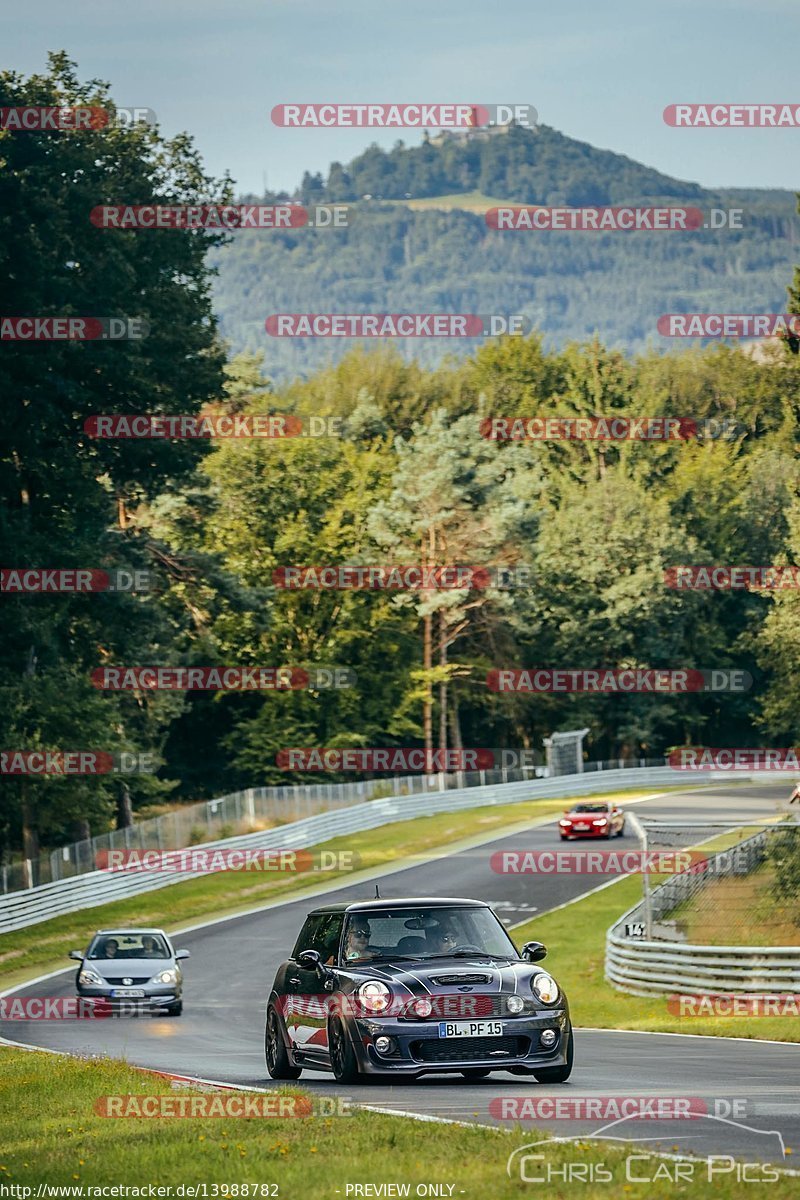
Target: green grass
{"type": "Point", "coordinates": [576, 936]}
{"type": "Point", "coordinates": [469, 201]}
{"type": "Point", "coordinates": [52, 1135]}
{"type": "Point", "coordinates": [44, 946]}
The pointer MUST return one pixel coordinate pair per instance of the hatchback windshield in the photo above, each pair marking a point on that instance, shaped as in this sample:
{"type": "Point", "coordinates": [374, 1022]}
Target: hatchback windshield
{"type": "Point", "coordinates": [129, 945]}
{"type": "Point", "coordinates": [424, 933]}
{"type": "Point", "coordinates": [591, 808]}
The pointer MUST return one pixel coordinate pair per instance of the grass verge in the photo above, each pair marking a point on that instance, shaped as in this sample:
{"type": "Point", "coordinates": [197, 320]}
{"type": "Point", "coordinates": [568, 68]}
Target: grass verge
{"type": "Point", "coordinates": [53, 1136]}
{"type": "Point", "coordinates": [742, 908]}
{"type": "Point", "coordinates": [39, 948]}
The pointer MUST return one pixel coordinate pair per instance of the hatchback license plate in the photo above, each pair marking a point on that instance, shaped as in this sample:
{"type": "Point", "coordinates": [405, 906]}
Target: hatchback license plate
{"type": "Point", "coordinates": [457, 1029]}
{"type": "Point", "coordinates": [128, 993]}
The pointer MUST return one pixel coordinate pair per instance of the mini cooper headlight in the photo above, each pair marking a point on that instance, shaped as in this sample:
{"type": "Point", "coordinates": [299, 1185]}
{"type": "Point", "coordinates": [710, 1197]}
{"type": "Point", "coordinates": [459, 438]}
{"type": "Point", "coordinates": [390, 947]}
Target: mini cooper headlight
{"type": "Point", "coordinates": [515, 1004]}
{"type": "Point", "coordinates": [374, 996]}
{"type": "Point", "coordinates": [422, 1006]}
{"type": "Point", "coordinates": [168, 976]}
{"type": "Point", "coordinates": [545, 987]}
{"type": "Point", "coordinates": [90, 978]}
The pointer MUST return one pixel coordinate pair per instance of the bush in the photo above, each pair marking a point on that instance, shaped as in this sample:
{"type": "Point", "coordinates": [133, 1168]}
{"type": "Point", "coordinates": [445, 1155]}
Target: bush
{"type": "Point", "coordinates": [784, 856]}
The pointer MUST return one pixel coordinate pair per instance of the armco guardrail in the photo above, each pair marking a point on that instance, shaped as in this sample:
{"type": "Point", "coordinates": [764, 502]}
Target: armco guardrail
{"type": "Point", "coordinates": [19, 909]}
{"type": "Point", "coordinates": [653, 968]}
{"type": "Point", "coordinates": [245, 811]}
{"type": "Point", "coordinates": [660, 968]}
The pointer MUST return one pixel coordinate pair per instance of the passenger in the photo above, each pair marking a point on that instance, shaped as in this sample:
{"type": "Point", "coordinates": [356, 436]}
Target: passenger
{"type": "Point", "coordinates": [111, 948]}
{"type": "Point", "coordinates": [441, 940]}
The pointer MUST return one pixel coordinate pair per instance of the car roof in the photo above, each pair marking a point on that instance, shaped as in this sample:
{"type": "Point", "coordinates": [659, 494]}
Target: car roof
{"type": "Point", "coordinates": [127, 932]}
{"type": "Point", "coordinates": [378, 906]}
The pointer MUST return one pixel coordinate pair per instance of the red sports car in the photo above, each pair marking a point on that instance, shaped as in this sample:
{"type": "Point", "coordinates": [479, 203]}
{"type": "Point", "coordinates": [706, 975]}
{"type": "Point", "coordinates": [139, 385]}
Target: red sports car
{"type": "Point", "coordinates": [592, 818]}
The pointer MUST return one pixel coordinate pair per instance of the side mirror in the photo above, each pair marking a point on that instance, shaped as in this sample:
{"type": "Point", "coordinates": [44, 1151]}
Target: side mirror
{"type": "Point", "coordinates": [179, 954]}
{"type": "Point", "coordinates": [311, 960]}
{"type": "Point", "coordinates": [534, 952]}
{"type": "Point", "coordinates": [78, 954]}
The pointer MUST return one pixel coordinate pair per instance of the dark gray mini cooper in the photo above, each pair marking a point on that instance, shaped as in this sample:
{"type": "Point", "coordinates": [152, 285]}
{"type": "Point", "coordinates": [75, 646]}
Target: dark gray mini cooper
{"type": "Point", "coordinates": [412, 987]}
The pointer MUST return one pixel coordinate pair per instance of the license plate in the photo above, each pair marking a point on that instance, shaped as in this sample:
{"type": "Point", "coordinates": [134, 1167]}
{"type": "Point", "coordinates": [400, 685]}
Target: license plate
{"type": "Point", "coordinates": [457, 1029]}
{"type": "Point", "coordinates": [127, 993]}
{"type": "Point", "coordinates": [581, 826]}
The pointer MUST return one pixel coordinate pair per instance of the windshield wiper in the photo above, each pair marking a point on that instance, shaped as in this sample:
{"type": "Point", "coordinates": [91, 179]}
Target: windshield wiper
{"type": "Point", "coordinates": [481, 954]}
{"type": "Point", "coordinates": [353, 962]}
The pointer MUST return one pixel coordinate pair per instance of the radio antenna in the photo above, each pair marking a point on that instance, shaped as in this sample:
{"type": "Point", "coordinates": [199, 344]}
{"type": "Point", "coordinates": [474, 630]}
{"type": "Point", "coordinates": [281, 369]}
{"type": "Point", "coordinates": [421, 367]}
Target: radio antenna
{"type": "Point", "coordinates": [377, 893]}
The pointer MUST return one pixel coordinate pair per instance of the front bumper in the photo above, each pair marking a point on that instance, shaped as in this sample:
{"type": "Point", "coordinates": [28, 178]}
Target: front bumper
{"type": "Point", "coordinates": [417, 1048]}
{"type": "Point", "coordinates": [156, 996]}
{"type": "Point", "coordinates": [598, 831]}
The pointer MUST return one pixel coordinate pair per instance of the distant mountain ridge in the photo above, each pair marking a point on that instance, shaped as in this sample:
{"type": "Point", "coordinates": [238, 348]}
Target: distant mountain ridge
{"type": "Point", "coordinates": [540, 166]}
{"type": "Point", "coordinates": [395, 258]}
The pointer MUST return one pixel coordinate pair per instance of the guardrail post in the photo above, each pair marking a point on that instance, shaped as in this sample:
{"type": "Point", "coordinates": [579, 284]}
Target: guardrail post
{"type": "Point", "coordinates": [647, 898]}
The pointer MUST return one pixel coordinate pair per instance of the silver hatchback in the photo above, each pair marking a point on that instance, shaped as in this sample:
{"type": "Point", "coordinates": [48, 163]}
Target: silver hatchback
{"type": "Point", "coordinates": [129, 965]}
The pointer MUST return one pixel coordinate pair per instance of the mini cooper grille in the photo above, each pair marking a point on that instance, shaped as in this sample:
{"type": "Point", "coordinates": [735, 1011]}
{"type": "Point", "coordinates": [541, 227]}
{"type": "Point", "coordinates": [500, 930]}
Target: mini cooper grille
{"type": "Point", "coordinates": [464, 1005]}
{"type": "Point", "coordinates": [461, 1050]}
{"type": "Point", "coordinates": [126, 980]}
{"type": "Point", "coordinates": [443, 980]}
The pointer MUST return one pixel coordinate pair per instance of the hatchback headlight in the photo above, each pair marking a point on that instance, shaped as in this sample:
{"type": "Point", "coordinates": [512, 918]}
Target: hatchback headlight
{"type": "Point", "coordinates": [168, 976]}
{"type": "Point", "coordinates": [602, 821]}
{"type": "Point", "coordinates": [374, 996]}
{"type": "Point", "coordinates": [90, 978]}
{"type": "Point", "coordinates": [564, 821]}
{"type": "Point", "coordinates": [545, 987]}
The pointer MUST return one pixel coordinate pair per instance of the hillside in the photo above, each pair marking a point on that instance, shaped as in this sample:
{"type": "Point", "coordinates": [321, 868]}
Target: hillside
{"type": "Point", "coordinates": [419, 243]}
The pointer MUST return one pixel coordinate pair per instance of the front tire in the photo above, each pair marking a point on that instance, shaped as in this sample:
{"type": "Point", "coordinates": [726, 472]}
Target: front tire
{"type": "Point", "coordinates": [558, 1074]}
{"type": "Point", "coordinates": [344, 1063]}
{"type": "Point", "coordinates": [175, 1010]}
{"type": "Point", "coordinates": [278, 1063]}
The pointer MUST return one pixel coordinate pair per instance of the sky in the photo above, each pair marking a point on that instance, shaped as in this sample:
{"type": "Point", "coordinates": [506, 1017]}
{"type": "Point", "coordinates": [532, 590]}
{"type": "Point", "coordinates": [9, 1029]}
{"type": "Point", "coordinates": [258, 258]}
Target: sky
{"type": "Point", "coordinates": [602, 73]}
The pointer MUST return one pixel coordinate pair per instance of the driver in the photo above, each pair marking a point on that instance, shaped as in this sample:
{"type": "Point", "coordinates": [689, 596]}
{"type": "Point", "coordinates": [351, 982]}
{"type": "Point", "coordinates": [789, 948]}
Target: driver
{"type": "Point", "coordinates": [150, 948]}
{"type": "Point", "coordinates": [357, 940]}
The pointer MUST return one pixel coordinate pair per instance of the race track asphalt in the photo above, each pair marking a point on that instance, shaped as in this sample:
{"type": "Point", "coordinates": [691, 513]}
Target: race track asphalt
{"type": "Point", "coordinates": [220, 1035]}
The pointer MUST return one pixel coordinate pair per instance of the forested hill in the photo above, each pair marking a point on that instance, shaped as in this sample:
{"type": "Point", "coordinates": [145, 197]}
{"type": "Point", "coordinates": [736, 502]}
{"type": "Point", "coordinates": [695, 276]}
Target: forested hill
{"type": "Point", "coordinates": [418, 242]}
{"type": "Point", "coordinates": [539, 166]}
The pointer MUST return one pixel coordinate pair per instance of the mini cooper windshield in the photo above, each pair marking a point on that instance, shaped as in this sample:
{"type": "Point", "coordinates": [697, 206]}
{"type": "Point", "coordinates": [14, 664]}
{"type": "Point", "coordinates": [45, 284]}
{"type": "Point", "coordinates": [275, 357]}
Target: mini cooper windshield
{"type": "Point", "coordinates": [421, 933]}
